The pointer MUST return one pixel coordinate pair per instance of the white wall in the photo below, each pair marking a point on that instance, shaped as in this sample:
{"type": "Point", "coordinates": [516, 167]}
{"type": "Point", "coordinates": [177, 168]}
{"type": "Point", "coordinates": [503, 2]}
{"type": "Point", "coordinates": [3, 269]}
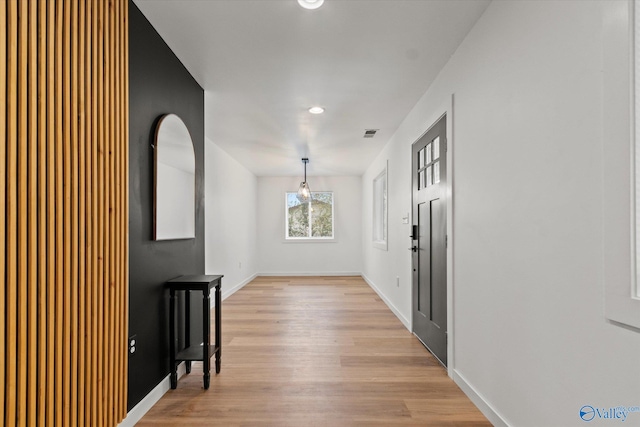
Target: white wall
{"type": "Point", "coordinates": [230, 219]}
{"type": "Point", "coordinates": [389, 272]}
{"type": "Point", "coordinates": [276, 256]}
{"type": "Point", "coordinates": [530, 333]}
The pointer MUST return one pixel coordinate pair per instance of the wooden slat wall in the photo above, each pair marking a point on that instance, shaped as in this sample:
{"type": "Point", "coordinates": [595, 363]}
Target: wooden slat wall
{"type": "Point", "coordinates": [64, 220]}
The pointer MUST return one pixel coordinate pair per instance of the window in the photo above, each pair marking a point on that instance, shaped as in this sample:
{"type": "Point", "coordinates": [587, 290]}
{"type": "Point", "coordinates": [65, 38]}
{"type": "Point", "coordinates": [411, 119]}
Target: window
{"type": "Point", "coordinates": [309, 220]}
{"type": "Point", "coordinates": [380, 210]}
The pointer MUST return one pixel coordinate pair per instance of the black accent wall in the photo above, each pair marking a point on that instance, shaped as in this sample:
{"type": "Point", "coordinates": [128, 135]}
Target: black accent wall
{"type": "Point", "coordinates": [159, 84]}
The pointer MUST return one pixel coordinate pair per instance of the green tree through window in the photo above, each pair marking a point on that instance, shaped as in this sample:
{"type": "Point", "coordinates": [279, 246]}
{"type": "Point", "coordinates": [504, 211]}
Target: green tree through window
{"type": "Point", "coordinates": [310, 220]}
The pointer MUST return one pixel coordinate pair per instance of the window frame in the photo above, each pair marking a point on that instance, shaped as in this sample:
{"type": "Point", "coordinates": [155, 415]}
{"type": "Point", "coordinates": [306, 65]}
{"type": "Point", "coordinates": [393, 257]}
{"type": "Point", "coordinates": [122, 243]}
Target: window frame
{"type": "Point", "coordinates": [380, 217]}
{"type": "Point", "coordinates": [289, 239]}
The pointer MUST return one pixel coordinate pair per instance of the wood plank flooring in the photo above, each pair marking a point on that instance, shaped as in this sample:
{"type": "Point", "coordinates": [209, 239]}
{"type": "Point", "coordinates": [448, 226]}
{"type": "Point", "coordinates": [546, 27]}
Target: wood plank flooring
{"type": "Point", "coordinates": [316, 351]}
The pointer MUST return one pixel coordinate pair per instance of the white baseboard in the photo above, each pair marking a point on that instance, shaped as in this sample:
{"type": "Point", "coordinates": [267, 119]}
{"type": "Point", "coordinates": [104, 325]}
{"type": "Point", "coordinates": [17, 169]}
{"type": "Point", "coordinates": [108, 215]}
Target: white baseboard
{"type": "Point", "coordinates": [404, 320]}
{"type": "Point", "coordinates": [138, 411]}
{"type": "Point", "coordinates": [152, 398]}
{"type": "Point", "coordinates": [484, 407]}
{"type": "Point", "coordinates": [227, 293]}
{"type": "Point", "coordinates": [315, 273]}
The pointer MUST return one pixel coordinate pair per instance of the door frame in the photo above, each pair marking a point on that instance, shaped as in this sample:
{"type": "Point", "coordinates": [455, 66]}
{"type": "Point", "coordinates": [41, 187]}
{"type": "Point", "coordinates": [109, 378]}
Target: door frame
{"type": "Point", "coordinates": [446, 108]}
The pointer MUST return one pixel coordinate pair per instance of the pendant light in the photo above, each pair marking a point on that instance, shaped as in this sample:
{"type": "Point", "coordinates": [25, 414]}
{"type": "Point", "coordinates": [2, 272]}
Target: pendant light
{"type": "Point", "coordinates": [304, 192]}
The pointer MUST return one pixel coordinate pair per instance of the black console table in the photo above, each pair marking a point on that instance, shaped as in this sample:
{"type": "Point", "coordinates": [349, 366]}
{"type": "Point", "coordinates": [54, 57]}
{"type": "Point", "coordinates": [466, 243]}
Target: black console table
{"type": "Point", "coordinates": [195, 352]}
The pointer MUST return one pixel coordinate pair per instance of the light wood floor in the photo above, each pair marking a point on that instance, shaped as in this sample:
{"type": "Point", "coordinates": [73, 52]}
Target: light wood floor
{"type": "Point", "coordinates": [316, 351]}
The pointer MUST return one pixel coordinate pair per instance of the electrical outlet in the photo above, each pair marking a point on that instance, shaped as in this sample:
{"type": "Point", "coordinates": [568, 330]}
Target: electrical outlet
{"type": "Point", "coordinates": [133, 341]}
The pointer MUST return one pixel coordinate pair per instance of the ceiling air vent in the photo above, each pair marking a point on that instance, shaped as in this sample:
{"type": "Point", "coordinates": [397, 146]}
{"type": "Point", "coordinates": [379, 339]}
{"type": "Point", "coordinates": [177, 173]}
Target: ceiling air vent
{"type": "Point", "coordinates": [370, 133]}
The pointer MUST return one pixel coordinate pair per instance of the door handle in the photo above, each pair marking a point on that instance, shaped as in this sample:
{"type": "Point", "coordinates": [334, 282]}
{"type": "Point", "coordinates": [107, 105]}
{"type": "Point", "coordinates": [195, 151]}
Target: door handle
{"type": "Point", "coordinates": [414, 249]}
{"type": "Point", "coordinates": [414, 232]}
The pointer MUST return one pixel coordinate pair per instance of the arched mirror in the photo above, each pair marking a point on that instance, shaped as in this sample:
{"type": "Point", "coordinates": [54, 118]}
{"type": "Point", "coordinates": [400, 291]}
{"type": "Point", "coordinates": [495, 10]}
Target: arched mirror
{"type": "Point", "coordinates": [175, 180]}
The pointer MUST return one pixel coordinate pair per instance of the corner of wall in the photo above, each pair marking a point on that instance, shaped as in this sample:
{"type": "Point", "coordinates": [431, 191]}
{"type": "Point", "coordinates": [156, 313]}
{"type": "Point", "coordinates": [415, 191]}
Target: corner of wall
{"type": "Point", "coordinates": [406, 322]}
{"type": "Point", "coordinates": [483, 405]}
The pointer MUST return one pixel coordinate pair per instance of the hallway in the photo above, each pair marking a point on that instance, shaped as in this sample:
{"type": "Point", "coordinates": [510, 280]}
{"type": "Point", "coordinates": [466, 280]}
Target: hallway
{"type": "Point", "coordinates": [316, 351]}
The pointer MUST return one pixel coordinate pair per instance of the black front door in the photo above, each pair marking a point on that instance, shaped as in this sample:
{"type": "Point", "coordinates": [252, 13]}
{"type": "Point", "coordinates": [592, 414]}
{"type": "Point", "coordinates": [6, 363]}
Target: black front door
{"type": "Point", "coordinates": [429, 174]}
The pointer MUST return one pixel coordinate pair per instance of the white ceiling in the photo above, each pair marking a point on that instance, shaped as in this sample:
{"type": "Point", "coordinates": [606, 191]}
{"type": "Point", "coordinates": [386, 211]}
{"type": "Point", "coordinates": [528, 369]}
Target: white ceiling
{"type": "Point", "coordinates": [263, 63]}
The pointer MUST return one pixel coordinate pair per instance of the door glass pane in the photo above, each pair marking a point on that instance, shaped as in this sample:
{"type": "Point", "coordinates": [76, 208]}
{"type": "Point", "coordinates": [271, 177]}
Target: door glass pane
{"type": "Point", "coordinates": [429, 176]}
{"type": "Point", "coordinates": [436, 148]}
{"type": "Point", "coordinates": [428, 150]}
{"type": "Point", "coordinates": [436, 172]}
{"type": "Point", "coordinates": [421, 159]}
{"type": "Point", "coordinates": [422, 179]}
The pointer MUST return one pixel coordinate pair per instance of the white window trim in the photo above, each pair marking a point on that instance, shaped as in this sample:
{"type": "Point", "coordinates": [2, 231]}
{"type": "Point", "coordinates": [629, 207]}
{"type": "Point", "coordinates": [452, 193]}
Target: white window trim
{"type": "Point", "coordinates": [384, 217]}
{"type": "Point", "coordinates": [310, 239]}
{"type": "Point", "coordinates": [618, 147]}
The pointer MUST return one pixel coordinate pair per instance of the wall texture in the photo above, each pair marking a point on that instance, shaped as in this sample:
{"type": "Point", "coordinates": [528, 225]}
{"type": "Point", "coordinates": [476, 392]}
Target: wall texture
{"type": "Point", "coordinates": [279, 257]}
{"type": "Point", "coordinates": [530, 334]}
{"type": "Point", "coordinates": [63, 220]}
{"type": "Point", "coordinates": [159, 84]}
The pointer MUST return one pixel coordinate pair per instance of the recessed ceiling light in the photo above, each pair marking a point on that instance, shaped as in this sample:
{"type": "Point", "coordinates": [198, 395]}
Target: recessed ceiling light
{"type": "Point", "coordinates": [310, 4]}
{"type": "Point", "coordinates": [316, 110]}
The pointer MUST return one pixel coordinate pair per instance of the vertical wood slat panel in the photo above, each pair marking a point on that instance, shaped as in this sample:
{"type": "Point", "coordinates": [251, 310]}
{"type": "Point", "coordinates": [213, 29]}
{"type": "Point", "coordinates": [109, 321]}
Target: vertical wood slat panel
{"type": "Point", "coordinates": [32, 260]}
{"type": "Point", "coordinates": [110, 190]}
{"type": "Point", "coordinates": [3, 180]}
{"type": "Point", "coordinates": [101, 224]}
{"type": "Point", "coordinates": [59, 212]}
{"type": "Point", "coordinates": [121, 200]}
{"type": "Point", "coordinates": [42, 216]}
{"type": "Point", "coordinates": [66, 211]}
{"type": "Point", "coordinates": [23, 141]}
{"type": "Point", "coordinates": [118, 220]}
{"type": "Point", "coordinates": [11, 220]}
{"type": "Point", "coordinates": [73, 217]}
{"type": "Point", "coordinates": [85, 30]}
{"type": "Point", "coordinates": [63, 175]}
{"type": "Point", "coordinates": [115, 208]}
{"type": "Point", "coordinates": [124, 198]}
{"type": "Point", "coordinates": [99, 213]}
{"type": "Point", "coordinates": [51, 216]}
{"type": "Point", "coordinates": [81, 206]}
{"type": "Point", "coordinates": [95, 223]}
{"type": "Point", "coordinates": [106, 104]}
{"type": "Point", "coordinates": [22, 395]}
{"type": "Point", "coordinates": [93, 284]}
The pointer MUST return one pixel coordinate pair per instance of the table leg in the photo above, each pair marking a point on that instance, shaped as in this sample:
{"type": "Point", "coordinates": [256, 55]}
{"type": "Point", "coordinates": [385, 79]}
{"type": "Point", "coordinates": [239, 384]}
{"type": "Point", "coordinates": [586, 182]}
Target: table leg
{"type": "Point", "coordinates": [187, 322]}
{"type": "Point", "coordinates": [172, 339]}
{"type": "Point", "coordinates": [218, 300]}
{"type": "Point", "coordinates": [206, 329]}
